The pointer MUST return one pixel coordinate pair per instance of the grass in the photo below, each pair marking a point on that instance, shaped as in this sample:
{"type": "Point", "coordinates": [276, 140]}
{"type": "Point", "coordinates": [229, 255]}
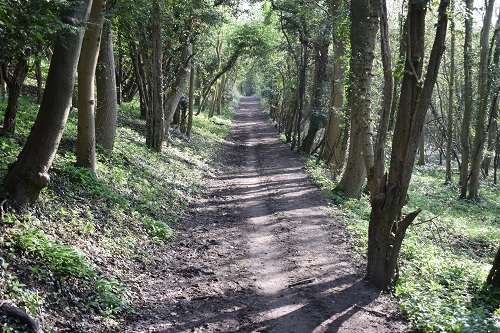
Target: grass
{"type": "Point", "coordinates": [66, 259]}
{"type": "Point", "coordinates": [446, 254]}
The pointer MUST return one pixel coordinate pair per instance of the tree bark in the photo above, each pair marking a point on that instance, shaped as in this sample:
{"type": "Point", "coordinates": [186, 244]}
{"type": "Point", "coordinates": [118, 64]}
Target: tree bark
{"type": "Point", "coordinates": [179, 86]}
{"type": "Point", "coordinates": [387, 229]}
{"type": "Point", "coordinates": [155, 121]}
{"type": "Point", "coordinates": [467, 114]}
{"type": "Point", "coordinates": [376, 175]}
{"type": "Point", "coordinates": [480, 136]}
{"type": "Point", "coordinates": [192, 76]}
{"type": "Point", "coordinates": [29, 174]}
{"type": "Point", "coordinates": [15, 86]}
{"type": "Point", "coordinates": [451, 98]}
{"type": "Point", "coordinates": [107, 105]}
{"type": "Point", "coordinates": [364, 20]}
{"type": "Point", "coordinates": [85, 150]}
{"type": "Point", "coordinates": [494, 275]}
{"type": "Point", "coordinates": [332, 153]}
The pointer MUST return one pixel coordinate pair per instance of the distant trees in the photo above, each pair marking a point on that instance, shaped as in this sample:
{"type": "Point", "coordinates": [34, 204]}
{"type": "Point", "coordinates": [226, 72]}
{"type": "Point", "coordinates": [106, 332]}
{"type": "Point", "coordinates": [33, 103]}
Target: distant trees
{"type": "Point", "coordinates": [20, 42]}
{"type": "Point", "coordinates": [142, 72]}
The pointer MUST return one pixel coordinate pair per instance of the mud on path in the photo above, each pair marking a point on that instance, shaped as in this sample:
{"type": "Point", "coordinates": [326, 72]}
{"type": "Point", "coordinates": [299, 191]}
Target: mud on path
{"type": "Point", "coordinates": [261, 253]}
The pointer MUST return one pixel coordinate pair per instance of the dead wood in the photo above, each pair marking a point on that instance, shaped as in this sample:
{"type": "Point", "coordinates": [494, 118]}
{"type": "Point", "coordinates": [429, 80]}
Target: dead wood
{"type": "Point", "coordinates": [17, 313]}
{"type": "Point", "coordinates": [301, 282]}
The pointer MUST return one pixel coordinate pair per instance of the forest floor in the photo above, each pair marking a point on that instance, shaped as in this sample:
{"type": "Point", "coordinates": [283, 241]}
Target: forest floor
{"type": "Point", "coordinates": [261, 252]}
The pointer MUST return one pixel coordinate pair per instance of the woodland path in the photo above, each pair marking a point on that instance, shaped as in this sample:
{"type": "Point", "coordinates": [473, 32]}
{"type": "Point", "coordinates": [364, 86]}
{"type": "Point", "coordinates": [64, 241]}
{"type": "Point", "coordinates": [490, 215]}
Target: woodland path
{"type": "Point", "coordinates": [261, 253]}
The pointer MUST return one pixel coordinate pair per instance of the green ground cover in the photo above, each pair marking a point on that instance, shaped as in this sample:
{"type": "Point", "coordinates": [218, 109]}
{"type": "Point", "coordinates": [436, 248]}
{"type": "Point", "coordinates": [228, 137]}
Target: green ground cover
{"type": "Point", "coordinates": [63, 260]}
{"type": "Point", "coordinates": [446, 255]}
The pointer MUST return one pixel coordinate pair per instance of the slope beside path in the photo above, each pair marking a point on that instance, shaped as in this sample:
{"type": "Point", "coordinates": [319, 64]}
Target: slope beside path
{"type": "Point", "coordinates": [261, 253]}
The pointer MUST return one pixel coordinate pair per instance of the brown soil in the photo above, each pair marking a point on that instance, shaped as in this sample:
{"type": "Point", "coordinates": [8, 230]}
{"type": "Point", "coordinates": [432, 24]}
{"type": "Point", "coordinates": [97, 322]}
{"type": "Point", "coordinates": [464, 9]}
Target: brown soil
{"type": "Point", "coordinates": [261, 253]}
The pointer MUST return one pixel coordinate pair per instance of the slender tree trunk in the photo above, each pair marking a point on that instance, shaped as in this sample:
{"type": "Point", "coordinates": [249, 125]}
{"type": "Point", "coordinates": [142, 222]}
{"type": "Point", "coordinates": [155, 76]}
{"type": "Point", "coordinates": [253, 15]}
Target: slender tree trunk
{"type": "Point", "coordinates": [3, 84]}
{"type": "Point", "coordinates": [38, 75]}
{"type": "Point", "coordinates": [466, 119]}
{"type": "Point", "coordinates": [119, 70]}
{"type": "Point", "coordinates": [451, 99]}
{"type": "Point", "coordinates": [493, 74]}
{"type": "Point", "coordinates": [421, 150]}
{"type": "Point", "coordinates": [211, 112]}
{"type": "Point", "coordinates": [14, 85]}
{"type": "Point", "coordinates": [376, 175]}
{"type": "Point", "coordinates": [192, 76]}
{"type": "Point", "coordinates": [387, 228]}
{"type": "Point", "coordinates": [221, 94]}
{"type": "Point", "coordinates": [480, 136]}
{"type": "Point", "coordinates": [320, 67]}
{"type": "Point", "coordinates": [156, 121]}
{"type": "Point", "coordinates": [364, 20]}
{"type": "Point", "coordinates": [107, 105]}
{"type": "Point", "coordinates": [29, 174]}
{"type": "Point", "coordinates": [85, 150]}
{"type": "Point", "coordinates": [332, 153]}
{"type": "Point", "coordinates": [141, 79]}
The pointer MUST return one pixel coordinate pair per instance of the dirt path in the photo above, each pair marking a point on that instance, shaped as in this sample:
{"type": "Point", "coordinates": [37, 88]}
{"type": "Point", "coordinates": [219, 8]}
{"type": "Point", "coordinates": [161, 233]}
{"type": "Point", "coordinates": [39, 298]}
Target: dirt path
{"type": "Point", "coordinates": [260, 253]}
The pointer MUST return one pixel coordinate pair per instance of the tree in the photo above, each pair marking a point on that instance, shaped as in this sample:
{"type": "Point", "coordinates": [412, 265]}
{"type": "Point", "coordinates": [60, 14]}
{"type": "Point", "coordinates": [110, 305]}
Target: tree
{"type": "Point", "coordinates": [467, 113]}
{"type": "Point", "coordinates": [332, 151]}
{"type": "Point", "coordinates": [155, 120]}
{"type": "Point", "coordinates": [480, 136]}
{"type": "Point", "coordinates": [451, 93]}
{"type": "Point", "coordinates": [85, 151]}
{"type": "Point", "coordinates": [494, 275]}
{"type": "Point", "coordinates": [25, 28]}
{"type": "Point", "coordinates": [107, 104]}
{"type": "Point", "coordinates": [387, 227]}
{"type": "Point", "coordinates": [364, 18]}
{"type": "Point", "coordinates": [28, 175]}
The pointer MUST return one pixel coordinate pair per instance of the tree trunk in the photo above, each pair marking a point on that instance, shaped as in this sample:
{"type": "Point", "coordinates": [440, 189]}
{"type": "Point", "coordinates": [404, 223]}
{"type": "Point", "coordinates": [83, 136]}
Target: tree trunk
{"type": "Point", "coordinates": [220, 95]}
{"type": "Point", "coordinates": [480, 136]}
{"type": "Point", "coordinates": [466, 119]}
{"type": "Point", "coordinates": [14, 85]}
{"type": "Point", "coordinates": [376, 175]}
{"type": "Point", "coordinates": [332, 153]}
{"type": "Point", "coordinates": [3, 85]}
{"type": "Point", "coordinates": [141, 79]}
{"type": "Point", "coordinates": [421, 150]}
{"type": "Point", "coordinates": [85, 150]}
{"type": "Point", "coordinates": [387, 229]}
{"type": "Point", "coordinates": [494, 275]}
{"type": "Point", "coordinates": [320, 70]}
{"type": "Point", "coordinates": [107, 105]}
{"type": "Point", "coordinates": [192, 76]}
{"type": "Point", "coordinates": [451, 99]}
{"type": "Point", "coordinates": [29, 174]}
{"type": "Point", "coordinates": [155, 120]}
{"type": "Point", "coordinates": [38, 75]}
{"type": "Point", "coordinates": [119, 70]}
{"type": "Point", "coordinates": [179, 86]}
{"type": "Point", "coordinates": [364, 20]}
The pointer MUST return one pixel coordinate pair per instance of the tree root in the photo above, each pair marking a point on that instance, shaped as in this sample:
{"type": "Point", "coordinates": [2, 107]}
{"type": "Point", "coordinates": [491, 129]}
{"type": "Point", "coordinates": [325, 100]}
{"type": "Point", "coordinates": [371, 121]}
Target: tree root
{"type": "Point", "coordinates": [23, 317]}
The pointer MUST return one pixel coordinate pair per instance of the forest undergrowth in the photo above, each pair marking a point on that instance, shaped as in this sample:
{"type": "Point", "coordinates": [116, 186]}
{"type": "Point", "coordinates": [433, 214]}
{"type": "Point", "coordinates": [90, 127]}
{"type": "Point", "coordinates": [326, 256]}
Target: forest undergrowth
{"type": "Point", "coordinates": [446, 255]}
{"type": "Point", "coordinates": [66, 260]}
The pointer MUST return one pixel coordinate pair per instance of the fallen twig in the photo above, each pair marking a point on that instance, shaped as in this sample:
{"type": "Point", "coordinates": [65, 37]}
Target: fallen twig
{"type": "Point", "coordinates": [378, 313]}
{"type": "Point", "coordinates": [301, 282]}
{"type": "Point", "coordinates": [15, 312]}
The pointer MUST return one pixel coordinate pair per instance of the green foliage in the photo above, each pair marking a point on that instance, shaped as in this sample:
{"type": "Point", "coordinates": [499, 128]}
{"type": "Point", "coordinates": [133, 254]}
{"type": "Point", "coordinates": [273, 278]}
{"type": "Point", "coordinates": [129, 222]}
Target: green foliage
{"type": "Point", "coordinates": [26, 25]}
{"type": "Point", "coordinates": [445, 257]}
{"type": "Point", "coordinates": [56, 257]}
